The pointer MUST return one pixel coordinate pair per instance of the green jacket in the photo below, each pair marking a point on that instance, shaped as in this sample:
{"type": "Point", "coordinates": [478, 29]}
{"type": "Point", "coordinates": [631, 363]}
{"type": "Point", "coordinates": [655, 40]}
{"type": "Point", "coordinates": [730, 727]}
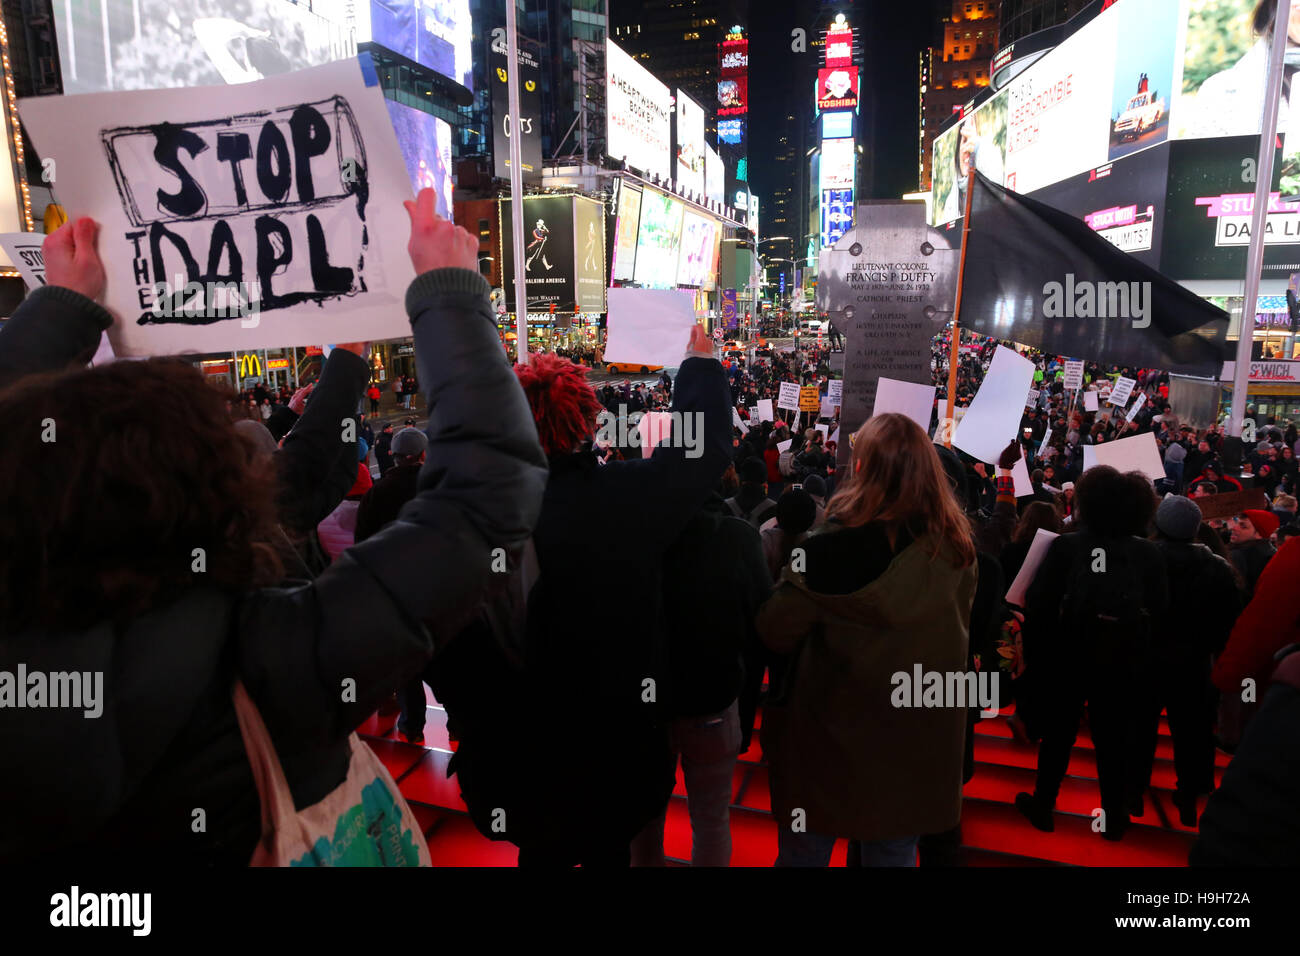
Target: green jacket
{"type": "Point", "coordinates": [839, 749]}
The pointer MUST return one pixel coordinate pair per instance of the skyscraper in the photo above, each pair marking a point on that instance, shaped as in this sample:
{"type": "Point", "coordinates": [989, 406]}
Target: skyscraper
{"type": "Point", "coordinates": [953, 73]}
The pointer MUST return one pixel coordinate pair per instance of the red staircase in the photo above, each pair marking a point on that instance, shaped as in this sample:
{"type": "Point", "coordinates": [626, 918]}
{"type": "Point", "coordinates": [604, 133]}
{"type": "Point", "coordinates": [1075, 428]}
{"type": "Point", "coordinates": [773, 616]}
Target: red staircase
{"type": "Point", "coordinates": [993, 833]}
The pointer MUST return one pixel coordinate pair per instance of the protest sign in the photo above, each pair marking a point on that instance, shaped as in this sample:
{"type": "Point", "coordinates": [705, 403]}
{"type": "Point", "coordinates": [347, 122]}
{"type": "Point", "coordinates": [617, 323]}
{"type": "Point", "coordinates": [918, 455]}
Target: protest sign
{"type": "Point", "coordinates": [789, 396]}
{"type": "Point", "coordinates": [235, 217]}
{"type": "Point", "coordinates": [784, 446]}
{"type": "Point", "coordinates": [905, 398]}
{"type": "Point", "coordinates": [736, 419]}
{"type": "Point", "coordinates": [835, 391]}
{"type": "Point", "coordinates": [1216, 507]}
{"type": "Point", "coordinates": [1032, 398]}
{"type": "Point", "coordinates": [825, 430]}
{"type": "Point", "coordinates": [1047, 439]}
{"type": "Point", "coordinates": [24, 251]}
{"type": "Point", "coordinates": [827, 409]}
{"type": "Point", "coordinates": [1073, 375]}
{"type": "Point", "coordinates": [993, 418]}
{"type": "Point", "coordinates": [1090, 402]}
{"type": "Point", "coordinates": [764, 407]}
{"type": "Point", "coordinates": [1137, 407]}
{"type": "Point", "coordinates": [648, 326]}
{"type": "Point", "coordinates": [1033, 560]}
{"type": "Point", "coordinates": [1139, 453]}
{"type": "Point", "coordinates": [809, 399]}
{"type": "Point", "coordinates": [1119, 395]}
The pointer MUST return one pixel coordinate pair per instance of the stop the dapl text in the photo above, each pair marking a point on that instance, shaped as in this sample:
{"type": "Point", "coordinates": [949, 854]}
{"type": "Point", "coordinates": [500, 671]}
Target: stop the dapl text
{"type": "Point", "coordinates": [273, 202]}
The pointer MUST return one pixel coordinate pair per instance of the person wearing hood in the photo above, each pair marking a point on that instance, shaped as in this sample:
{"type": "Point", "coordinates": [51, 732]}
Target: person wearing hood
{"type": "Point", "coordinates": [751, 503]}
{"type": "Point", "coordinates": [850, 755]}
{"type": "Point", "coordinates": [1175, 458]}
{"type": "Point", "coordinates": [118, 520]}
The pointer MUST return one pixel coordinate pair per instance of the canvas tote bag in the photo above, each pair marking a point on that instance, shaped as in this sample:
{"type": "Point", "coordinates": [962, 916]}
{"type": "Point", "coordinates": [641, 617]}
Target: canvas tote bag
{"type": "Point", "coordinates": [364, 821]}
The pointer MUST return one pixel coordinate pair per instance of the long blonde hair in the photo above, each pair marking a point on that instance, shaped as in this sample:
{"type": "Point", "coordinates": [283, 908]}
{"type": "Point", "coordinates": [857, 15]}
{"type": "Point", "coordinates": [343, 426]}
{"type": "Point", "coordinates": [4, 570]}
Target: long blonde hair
{"type": "Point", "coordinates": [897, 479]}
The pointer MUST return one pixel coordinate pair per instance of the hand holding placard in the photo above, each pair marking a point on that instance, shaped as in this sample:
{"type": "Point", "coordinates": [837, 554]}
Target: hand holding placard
{"type": "Point", "coordinates": [72, 258]}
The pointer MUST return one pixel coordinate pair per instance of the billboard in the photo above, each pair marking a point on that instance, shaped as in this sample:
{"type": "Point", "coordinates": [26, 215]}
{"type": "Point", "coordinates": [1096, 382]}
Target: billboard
{"type": "Point", "coordinates": [837, 125]}
{"type": "Point", "coordinates": [839, 44]}
{"type": "Point", "coordinates": [433, 34]}
{"type": "Point", "coordinates": [837, 165]}
{"type": "Point", "coordinates": [715, 176]}
{"type": "Point", "coordinates": [697, 263]}
{"type": "Point", "coordinates": [426, 146]}
{"type": "Point", "coordinates": [549, 274]}
{"type": "Point", "coordinates": [530, 109]}
{"type": "Point", "coordinates": [733, 96]}
{"type": "Point", "coordinates": [689, 169]}
{"type": "Point", "coordinates": [625, 233]}
{"type": "Point", "coordinates": [837, 214]}
{"type": "Point", "coordinates": [589, 255]}
{"type": "Point", "coordinates": [151, 44]}
{"type": "Point", "coordinates": [731, 131]}
{"type": "Point", "coordinates": [658, 240]}
{"type": "Point", "coordinates": [837, 88]}
{"type": "Point", "coordinates": [638, 115]}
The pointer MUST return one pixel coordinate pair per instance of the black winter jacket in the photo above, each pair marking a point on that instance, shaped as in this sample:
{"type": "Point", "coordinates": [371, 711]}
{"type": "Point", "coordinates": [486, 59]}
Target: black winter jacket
{"type": "Point", "coordinates": [126, 785]}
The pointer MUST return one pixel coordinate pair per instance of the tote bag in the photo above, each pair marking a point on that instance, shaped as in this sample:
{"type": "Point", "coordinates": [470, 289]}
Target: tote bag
{"type": "Point", "coordinates": [364, 821]}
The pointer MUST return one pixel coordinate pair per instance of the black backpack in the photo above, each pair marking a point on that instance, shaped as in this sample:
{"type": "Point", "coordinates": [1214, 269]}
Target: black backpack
{"type": "Point", "coordinates": [1105, 611]}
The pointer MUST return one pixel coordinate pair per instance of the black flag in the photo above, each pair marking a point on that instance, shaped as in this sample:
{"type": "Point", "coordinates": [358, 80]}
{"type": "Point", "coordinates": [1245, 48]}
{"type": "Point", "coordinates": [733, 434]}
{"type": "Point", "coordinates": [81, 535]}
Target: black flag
{"type": "Point", "coordinates": [1041, 277]}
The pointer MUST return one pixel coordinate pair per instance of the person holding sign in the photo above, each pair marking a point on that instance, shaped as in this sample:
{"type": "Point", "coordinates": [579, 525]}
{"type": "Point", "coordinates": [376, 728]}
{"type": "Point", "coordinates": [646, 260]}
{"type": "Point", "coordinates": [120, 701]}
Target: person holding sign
{"type": "Point", "coordinates": [1090, 617]}
{"type": "Point", "coordinates": [159, 556]}
{"type": "Point", "coordinates": [842, 749]}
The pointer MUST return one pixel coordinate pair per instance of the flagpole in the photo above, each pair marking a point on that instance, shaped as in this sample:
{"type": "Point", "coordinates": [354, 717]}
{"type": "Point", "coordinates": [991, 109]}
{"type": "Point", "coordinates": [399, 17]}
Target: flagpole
{"type": "Point", "coordinates": [1259, 217]}
{"type": "Point", "coordinates": [516, 184]}
{"type": "Point", "coordinates": [956, 312]}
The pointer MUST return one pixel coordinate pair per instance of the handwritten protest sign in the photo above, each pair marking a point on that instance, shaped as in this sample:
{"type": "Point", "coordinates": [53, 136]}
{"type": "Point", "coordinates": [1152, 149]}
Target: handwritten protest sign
{"type": "Point", "coordinates": [809, 399]}
{"type": "Point", "coordinates": [789, 397]}
{"type": "Point", "coordinates": [236, 217]}
{"type": "Point", "coordinates": [835, 391]}
{"type": "Point", "coordinates": [1073, 375]}
{"type": "Point", "coordinates": [24, 251]}
{"type": "Point", "coordinates": [1120, 393]}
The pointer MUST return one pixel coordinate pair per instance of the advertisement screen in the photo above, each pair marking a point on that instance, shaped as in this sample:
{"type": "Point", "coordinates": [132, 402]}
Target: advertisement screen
{"type": "Point", "coordinates": [733, 96]}
{"type": "Point", "coordinates": [625, 230]}
{"type": "Point", "coordinates": [731, 131]}
{"type": "Point", "coordinates": [426, 146]}
{"type": "Point", "coordinates": [839, 45]}
{"type": "Point", "coordinates": [638, 115]}
{"type": "Point", "coordinates": [659, 241]}
{"type": "Point", "coordinates": [1104, 93]}
{"type": "Point", "coordinates": [837, 214]}
{"type": "Point", "coordinates": [696, 265]}
{"type": "Point", "coordinates": [548, 253]}
{"type": "Point", "coordinates": [837, 88]}
{"type": "Point", "coordinates": [151, 44]}
{"type": "Point", "coordinates": [589, 256]}
{"type": "Point", "coordinates": [733, 59]}
{"type": "Point", "coordinates": [838, 160]}
{"type": "Point", "coordinates": [530, 108]}
{"type": "Point", "coordinates": [715, 176]}
{"type": "Point", "coordinates": [690, 143]}
{"type": "Point", "coordinates": [436, 35]}
{"type": "Point", "coordinates": [837, 125]}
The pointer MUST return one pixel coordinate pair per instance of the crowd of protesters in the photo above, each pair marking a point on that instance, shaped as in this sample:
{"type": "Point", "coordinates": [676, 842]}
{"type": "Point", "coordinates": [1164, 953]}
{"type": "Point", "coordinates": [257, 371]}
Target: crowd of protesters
{"type": "Point", "coordinates": [764, 568]}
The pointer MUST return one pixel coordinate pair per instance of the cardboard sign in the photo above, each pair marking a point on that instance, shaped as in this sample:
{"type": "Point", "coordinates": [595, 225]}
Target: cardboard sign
{"type": "Point", "coordinates": [835, 391]}
{"type": "Point", "coordinates": [1139, 453]}
{"type": "Point", "coordinates": [764, 407]}
{"type": "Point", "coordinates": [1073, 375]}
{"type": "Point", "coordinates": [648, 326]}
{"type": "Point", "coordinates": [784, 446]}
{"type": "Point", "coordinates": [1137, 407]}
{"type": "Point", "coordinates": [737, 420]}
{"type": "Point", "coordinates": [24, 251]}
{"type": "Point", "coordinates": [789, 396]}
{"type": "Point", "coordinates": [905, 398]}
{"type": "Point", "coordinates": [237, 217]}
{"type": "Point", "coordinates": [1119, 395]}
{"type": "Point", "coordinates": [1217, 507]}
{"type": "Point", "coordinates": [1090, 402]}
{"type": "Point", "coordinates": [810, 399]}
{"type": "Point", "coordinates": [1033, 560]}
{"type": "Point", "coordinates": [993, 418]}
{"type": "Point", "coordinates": [1031, 400]}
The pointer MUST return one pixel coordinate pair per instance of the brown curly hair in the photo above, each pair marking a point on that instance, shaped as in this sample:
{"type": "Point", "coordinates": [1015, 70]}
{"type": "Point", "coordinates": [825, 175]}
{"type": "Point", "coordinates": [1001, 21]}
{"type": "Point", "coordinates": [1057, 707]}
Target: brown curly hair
{"type": "Point", "coordinates": [103, 520]}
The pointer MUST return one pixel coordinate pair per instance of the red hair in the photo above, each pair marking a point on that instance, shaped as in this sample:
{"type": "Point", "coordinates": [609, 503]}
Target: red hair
{"type": "Point", "coordinates": [564, 405]}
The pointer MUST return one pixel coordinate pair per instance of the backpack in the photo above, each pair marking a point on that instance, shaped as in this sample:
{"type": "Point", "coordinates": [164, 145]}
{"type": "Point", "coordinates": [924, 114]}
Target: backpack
{"type": "Point", "coordinates": [756, 516]}
{"type": "Point", "coordinates": [785, 463]}
{"type": "Point", "coordinates": [1106, 610]}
